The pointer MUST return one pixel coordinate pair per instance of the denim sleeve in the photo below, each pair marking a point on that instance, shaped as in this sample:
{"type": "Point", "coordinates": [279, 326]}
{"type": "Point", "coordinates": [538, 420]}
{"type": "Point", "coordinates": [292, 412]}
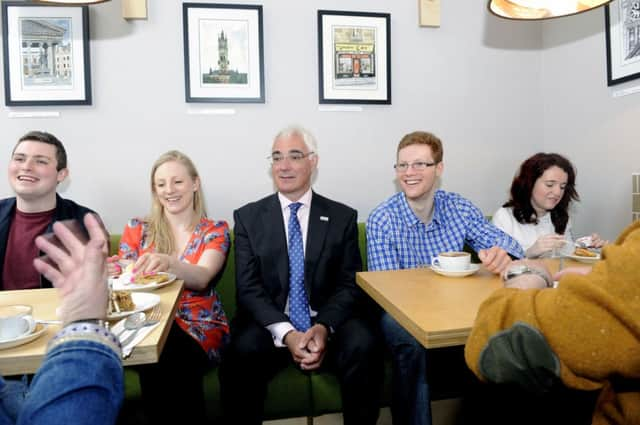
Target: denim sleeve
{"type": "Point", "coordinates": [79, 382]}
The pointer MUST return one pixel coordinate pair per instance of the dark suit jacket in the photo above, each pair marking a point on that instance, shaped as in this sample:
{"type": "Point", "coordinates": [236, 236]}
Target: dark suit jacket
{"type": "Point", "coordinates": [65, 210]}
{"type": "Point", "coordinates": [332, 258]}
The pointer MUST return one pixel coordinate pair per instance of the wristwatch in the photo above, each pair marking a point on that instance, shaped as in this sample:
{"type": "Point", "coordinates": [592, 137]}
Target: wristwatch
{"type": "Point", "coordinates": [520, 269]}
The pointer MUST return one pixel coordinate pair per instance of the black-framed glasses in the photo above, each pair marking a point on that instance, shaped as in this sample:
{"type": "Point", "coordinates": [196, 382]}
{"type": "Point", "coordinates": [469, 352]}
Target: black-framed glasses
{"type": "Point", "coordinates": [418, 166]}
{"type": "Point", "coordinates": [293, 156]}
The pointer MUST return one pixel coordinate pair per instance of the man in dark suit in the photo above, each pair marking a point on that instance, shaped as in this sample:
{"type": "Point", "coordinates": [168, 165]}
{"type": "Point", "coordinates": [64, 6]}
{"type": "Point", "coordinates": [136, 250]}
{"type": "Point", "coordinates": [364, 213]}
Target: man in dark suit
{"type": "Point", "coordinates": [296, 258]}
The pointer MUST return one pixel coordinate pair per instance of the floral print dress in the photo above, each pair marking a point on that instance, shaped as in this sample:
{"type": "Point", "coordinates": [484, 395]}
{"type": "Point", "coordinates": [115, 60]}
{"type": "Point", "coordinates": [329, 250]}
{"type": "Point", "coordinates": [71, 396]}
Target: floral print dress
{"type": "Point", "coordinates": [199, 313]}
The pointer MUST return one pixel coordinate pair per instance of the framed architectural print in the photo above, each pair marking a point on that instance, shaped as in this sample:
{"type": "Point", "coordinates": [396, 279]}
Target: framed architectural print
{"type": "Point", "coordinates": [46, 54]}
{"type": "Point", "coordinates": [354, 57]}
{"type": "Point", "coordinates": [622, 26]}
{"type": "Point", "coordinates": [223, 53]}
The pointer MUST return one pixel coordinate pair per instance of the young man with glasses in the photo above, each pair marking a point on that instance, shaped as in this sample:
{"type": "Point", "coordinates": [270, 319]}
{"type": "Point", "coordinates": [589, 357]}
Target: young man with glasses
{"type": "Point", "coordinates": [407, 231]}
{"type": "Point", "coordinates": [296, 256]}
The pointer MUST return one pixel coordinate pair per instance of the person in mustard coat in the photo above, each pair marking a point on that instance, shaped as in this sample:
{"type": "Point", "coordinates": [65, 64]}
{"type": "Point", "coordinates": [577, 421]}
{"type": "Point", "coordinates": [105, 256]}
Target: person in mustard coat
{"type": "Point", "coordinates": [584, 334]}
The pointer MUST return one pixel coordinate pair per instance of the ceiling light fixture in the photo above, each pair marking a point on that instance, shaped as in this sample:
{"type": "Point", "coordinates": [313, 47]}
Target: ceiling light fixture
{"type": "Point", "coordinates": [541, 9]}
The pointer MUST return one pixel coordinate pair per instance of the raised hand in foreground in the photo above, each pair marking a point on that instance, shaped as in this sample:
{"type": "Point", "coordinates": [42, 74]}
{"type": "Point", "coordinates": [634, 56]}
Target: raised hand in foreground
{"type": "Point", "coordinates": [77, 269]}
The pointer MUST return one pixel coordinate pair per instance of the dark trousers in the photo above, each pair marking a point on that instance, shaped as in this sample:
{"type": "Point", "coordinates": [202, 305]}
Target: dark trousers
{"type": "Point", "coordinates": [251, 360]}
{"type": "Point", "coordinates": [172, 389]}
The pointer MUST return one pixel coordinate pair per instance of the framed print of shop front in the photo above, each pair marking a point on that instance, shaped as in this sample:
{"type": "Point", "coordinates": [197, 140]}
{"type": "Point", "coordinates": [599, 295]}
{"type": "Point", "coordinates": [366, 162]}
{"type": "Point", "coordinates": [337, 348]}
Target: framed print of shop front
{"type": "Point", "coordinates": [354, 57]}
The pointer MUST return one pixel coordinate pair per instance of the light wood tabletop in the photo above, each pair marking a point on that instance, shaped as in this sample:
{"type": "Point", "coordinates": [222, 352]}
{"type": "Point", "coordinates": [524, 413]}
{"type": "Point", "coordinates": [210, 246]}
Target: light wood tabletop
{"type": "Point", "coordinates": [27, 358]}
{"type": "Point", "coordinates": [438, 311]}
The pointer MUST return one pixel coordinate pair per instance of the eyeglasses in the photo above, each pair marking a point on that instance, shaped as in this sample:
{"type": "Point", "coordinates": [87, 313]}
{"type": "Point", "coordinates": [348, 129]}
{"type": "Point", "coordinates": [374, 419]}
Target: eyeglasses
{"type": "Point", "coordinates": [293, 156]}
{"type": "Point", "coordinates": [418, 166]}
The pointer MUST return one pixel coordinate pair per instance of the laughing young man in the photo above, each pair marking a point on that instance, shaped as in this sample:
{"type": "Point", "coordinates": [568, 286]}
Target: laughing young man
{"type": "Point", "coordinates": [38, 163]}
{"type": "Point", "coordinates": [405, 232]}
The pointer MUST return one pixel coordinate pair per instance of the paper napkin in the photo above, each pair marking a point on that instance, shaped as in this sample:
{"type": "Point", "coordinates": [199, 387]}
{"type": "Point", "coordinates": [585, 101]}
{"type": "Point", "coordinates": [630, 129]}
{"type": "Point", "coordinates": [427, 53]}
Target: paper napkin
{"type": "Point", "coordinates": [142, 333]}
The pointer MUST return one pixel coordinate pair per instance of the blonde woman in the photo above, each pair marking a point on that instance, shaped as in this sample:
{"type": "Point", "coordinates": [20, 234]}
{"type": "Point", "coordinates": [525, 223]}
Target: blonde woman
{"type": "Point", "coordinates": [177, 237]}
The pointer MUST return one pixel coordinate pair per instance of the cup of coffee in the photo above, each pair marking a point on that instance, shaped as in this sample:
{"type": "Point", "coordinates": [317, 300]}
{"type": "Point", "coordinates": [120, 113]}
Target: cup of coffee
{"type": "Point", "coordinates": [15, 321]}
{"type": "Point", "coordinates": [453, 261]}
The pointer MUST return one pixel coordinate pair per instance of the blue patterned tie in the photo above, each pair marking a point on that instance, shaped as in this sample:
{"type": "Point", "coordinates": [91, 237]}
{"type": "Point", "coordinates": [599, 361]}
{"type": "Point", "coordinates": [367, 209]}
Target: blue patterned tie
{"type": "Point", "coordinates": [298, 304]}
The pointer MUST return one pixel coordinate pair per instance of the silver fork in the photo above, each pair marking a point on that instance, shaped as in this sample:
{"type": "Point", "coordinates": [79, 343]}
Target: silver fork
{"type": "Point", "coordinates": [152, 319]}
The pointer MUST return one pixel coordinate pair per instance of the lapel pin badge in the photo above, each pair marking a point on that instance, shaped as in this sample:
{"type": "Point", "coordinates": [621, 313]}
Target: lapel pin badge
{"type": "Point", "coordinates": [324, 218]}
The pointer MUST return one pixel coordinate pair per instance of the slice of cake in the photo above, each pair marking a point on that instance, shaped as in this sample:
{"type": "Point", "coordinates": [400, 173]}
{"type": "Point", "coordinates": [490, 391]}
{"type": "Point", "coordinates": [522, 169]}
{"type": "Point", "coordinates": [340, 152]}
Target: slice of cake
{"type": "Point", "coordinates": [153, 278]}
{"type": "Point", "coordinates": [121, 301]}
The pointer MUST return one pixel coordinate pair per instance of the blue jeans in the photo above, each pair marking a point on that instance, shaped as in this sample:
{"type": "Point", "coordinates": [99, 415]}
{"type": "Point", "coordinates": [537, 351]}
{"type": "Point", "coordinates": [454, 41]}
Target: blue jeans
{"type": "Point", "coordinates": [410, 402]}
{"type": "Point", "coordinates": [12, 395]}
{"type": "Point", "coordinates": [79, 382]}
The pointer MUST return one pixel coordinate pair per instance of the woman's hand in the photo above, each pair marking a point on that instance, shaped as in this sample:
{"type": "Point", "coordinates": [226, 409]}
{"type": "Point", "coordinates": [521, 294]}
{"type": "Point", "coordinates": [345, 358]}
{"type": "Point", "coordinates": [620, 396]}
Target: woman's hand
{"type": "Point", "coordinates": [597, 241]}
{"type": "Point", "coordinates": [583, 270]}
{"type": "Point", "coordinates": [545, 244]}
{"type": "Point", "coordinates": [113, 266]}
{"type": "Point", "coordinates": [152, 263]}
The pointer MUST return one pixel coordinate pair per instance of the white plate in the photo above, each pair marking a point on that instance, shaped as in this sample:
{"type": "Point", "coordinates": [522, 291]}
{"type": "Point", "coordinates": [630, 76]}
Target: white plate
{"type": "Point", "coordinates": [38, 330]}
{"type": "Point", "coordinates": [588, 260]}
{"type": "Point", "coordinates": [142, 300]}
{"type": "Point", "coordinates": [460, 273]}
{"type": "Point", "coordinates": [122, 283]}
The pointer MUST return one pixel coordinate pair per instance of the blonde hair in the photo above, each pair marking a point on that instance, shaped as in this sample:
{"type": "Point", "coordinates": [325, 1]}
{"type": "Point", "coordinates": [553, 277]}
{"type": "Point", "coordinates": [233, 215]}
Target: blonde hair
{"type": "Point", "coordinates": [159, 231]}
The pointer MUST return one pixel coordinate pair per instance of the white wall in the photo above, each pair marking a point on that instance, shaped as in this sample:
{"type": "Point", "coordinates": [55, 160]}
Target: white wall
{"type": "Point", "coordinates": [582, 119]}
{"type": "Point", "coordinates": [475, 82]}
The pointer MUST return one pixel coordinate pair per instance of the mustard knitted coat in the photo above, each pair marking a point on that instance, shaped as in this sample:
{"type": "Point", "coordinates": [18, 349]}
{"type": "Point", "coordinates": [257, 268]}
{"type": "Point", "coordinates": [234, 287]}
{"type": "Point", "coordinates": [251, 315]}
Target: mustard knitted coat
{"type": "Point", "coordinates": [585, 332]}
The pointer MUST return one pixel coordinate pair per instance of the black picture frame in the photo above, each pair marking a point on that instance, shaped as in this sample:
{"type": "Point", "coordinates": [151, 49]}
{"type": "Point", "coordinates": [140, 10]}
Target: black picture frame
{"type": "Point", "coordinates": [622, 18]}
{"type": "Point", "coordinates": [223, 67]}
{"type": "Point", "coordinates": [354, 57]}
{"type": "Point", "coordinates": [46, 54]}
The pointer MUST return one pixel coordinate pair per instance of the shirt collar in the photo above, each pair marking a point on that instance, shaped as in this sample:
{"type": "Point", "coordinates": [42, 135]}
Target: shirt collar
{"type": "Point", "coordinates": [410, 217]}
{"type": "Point", "coordinates": [305, 200]}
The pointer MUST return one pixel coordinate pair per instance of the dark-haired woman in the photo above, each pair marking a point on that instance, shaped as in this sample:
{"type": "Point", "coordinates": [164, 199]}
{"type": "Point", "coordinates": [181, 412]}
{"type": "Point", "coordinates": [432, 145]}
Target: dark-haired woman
{"type": "Point", "coordinates": [537, 213]}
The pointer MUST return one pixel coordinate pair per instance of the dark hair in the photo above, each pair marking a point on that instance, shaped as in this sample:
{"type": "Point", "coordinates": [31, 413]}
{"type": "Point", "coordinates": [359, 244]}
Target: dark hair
{"type": "Point", "coordinates": [522, 187]}
{"type": "Point", "coordinates": [49, 139]}
{"type": "Point", "coordinates": [423, 138]}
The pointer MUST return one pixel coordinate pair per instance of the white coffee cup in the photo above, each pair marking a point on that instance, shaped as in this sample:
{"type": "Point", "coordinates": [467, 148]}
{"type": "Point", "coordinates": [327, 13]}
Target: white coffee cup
{"type": "Point", "coordinates": [452, 261]}
{"type": "Point", "coordinates": [15, 321]}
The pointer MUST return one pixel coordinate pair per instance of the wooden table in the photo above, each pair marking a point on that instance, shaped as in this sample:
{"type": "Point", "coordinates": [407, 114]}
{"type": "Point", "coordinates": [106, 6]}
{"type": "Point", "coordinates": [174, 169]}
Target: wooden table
{"type": "Point", "coordinates": [27, 358]}
{"type": "Point", "coordinates": [438, 311]}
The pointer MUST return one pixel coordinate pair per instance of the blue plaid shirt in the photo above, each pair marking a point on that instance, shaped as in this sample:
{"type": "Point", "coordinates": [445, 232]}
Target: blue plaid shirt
{"type": "Point", "coordinates": [397, 239]}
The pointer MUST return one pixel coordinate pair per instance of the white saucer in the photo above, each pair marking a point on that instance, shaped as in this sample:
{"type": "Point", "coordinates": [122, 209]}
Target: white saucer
{"type": "Point", "coordinates": [458, 273]}
{"type": "Point", "coordinates": [587, 260]}
{"type": "Point", "coordinates": [23, 339]}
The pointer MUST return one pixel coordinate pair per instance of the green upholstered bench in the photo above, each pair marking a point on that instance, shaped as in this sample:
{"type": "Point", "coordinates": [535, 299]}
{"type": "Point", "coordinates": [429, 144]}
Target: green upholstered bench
{"type": "Point", "coordinates": [293, 393]}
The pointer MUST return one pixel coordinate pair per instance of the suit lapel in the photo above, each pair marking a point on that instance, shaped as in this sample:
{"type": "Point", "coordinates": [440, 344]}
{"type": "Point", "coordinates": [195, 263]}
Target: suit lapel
{"type": "Point", "coordinates": [316, 233]}
{"type": "Point", "coordinates": [276, 237]}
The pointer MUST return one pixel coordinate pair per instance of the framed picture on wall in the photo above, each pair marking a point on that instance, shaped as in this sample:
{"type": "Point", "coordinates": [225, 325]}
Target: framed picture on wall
{"type": "Point", "coordinates": [354, 57]}
{"type": "Point", "coordinates": [46, 54]}
{"type": "Point", "coordinates": [622, 24]}
{"type": "Point", "coordinates": [223, 53]}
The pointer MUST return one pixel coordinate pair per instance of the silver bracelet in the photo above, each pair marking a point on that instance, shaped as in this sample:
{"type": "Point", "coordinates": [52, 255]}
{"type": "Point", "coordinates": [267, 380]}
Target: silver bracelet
{"type": "Point", "coordinates": [86, 331]}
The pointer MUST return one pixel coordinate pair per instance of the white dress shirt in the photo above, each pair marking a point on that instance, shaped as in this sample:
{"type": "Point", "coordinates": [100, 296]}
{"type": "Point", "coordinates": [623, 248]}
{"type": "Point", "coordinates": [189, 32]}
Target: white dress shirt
{"type": "Point", "coordinates": [280, 329]}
